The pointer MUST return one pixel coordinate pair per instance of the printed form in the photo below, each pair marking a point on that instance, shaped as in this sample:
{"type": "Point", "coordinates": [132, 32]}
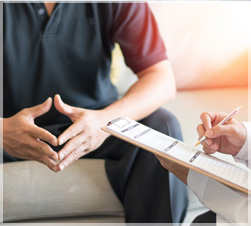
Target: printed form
{"type": "Point", "coordinates": [144, 136]}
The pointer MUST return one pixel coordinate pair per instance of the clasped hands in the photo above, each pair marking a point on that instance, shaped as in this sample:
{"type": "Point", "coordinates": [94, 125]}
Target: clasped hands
{"type": "Point", "coordinates": [23, 139]}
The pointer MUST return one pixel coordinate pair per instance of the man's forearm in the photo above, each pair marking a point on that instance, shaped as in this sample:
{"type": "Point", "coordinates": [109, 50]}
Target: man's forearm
{"type": "Point", "coordinates": [156, 86]}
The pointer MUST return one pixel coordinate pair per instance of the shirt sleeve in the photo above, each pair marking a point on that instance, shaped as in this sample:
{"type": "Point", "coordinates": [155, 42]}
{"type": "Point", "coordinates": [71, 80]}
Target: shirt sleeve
{"type": "Point", "coordinates": [136, 31]}
{"type": "Point", "coordinates": [243, 155]}
{"type": "Point", "coordinates": [231, 204]}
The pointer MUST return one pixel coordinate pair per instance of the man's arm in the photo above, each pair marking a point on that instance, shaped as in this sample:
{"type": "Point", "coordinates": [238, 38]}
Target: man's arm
{"type": "Point", "coordinates": [155, 86]}
{"type": "Point", "coordinates": [144, 52]}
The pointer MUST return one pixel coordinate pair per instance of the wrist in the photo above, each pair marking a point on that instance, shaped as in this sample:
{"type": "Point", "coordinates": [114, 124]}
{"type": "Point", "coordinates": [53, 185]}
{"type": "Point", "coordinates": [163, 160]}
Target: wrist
{"type": "Point", "coordinates": [108, 114]}
{"type": "Point", "coordinates": [246, 136]}
{"type": "Point", "coordinates": [243, 135]}
{"type": "Point", "coordinates": [242, 138]}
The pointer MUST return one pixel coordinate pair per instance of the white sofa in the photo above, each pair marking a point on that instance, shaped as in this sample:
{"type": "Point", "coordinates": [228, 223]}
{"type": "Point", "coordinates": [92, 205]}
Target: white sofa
{"type": "Point", "coordinates": [205, 58]}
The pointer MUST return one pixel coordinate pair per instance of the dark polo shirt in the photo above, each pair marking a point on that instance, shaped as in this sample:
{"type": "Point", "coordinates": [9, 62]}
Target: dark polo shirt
{"type": "Point", "coordinates": [70, 53]}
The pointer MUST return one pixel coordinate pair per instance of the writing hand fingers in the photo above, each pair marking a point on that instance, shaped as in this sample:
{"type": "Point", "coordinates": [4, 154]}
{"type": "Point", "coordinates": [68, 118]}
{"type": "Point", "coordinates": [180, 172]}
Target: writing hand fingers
{"type": "Point", "coordinates": [206, 119]}
{"type": "Point", "coordinates": [222, 130]}
{"type": "Point", "coordinates": [210, 149]}
{"type": "Point", "coordinates": [201, 131]}
{"type": "Point", "coordinates": [210, 119]}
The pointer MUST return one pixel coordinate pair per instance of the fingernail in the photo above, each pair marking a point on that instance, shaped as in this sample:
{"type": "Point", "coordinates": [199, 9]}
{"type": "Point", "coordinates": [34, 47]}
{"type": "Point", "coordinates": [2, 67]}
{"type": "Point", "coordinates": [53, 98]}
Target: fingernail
{"type": "Point", "coordinates": [61, 156]}
{"type": "Point", "coordinates": [54, 142]}
{"type": "Point", "coordinates": [61, 141]}
{"type": "Point", "coordinates": [61, 167]}
{"type": "Point", "coordinates": [54, 156]}
{"type": "Point", "coordinates": [55, 168]}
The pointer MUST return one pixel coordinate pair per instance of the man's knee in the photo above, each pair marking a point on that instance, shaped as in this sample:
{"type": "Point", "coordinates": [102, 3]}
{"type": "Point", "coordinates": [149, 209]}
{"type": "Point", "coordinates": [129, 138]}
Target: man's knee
{"type": "Point", "coordinates": [164, 122]}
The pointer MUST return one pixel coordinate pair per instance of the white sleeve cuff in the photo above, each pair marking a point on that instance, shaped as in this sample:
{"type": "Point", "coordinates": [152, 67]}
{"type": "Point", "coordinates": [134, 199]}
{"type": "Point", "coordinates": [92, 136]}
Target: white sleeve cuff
{"type": "Point", "coordinates": [243, 153]}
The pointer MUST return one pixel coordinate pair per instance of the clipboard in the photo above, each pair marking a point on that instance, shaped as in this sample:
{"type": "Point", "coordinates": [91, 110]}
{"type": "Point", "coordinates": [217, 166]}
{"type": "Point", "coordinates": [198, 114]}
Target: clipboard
{"type": "Point", "coordinates": [179, 152]}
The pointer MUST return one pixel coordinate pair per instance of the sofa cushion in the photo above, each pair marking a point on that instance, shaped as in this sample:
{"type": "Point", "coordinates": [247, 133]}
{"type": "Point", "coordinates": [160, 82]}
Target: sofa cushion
{"type": "Point", "coordinates": [32, 191]}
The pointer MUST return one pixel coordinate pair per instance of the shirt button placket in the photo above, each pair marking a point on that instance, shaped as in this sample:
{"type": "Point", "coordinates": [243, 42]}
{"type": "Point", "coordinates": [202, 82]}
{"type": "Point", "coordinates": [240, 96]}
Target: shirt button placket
{"type": "Point", "coordinates": [41, 11]}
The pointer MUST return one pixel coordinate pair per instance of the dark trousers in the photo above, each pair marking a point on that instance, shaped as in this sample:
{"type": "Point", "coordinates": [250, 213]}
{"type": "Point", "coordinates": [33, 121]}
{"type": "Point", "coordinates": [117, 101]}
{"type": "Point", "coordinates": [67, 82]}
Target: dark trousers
{"type": "Point", "coordinates": [148, 192]}
{"type": "Point", "coordinates": [205, 219]}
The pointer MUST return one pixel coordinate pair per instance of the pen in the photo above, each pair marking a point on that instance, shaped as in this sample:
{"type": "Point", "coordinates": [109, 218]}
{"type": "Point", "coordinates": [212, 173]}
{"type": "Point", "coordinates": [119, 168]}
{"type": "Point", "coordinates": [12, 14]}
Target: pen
{"type": "Point", "coordinates": [222, 122]}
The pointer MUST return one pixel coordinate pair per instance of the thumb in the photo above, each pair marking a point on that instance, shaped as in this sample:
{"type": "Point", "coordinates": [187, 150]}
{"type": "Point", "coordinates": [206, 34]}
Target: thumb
{"type": "Point", "coordinates": [41, 109]}
{"type": "Point", "coordinates": [221, 130]}
{"type": "Point", "coordinates": [61, 106]}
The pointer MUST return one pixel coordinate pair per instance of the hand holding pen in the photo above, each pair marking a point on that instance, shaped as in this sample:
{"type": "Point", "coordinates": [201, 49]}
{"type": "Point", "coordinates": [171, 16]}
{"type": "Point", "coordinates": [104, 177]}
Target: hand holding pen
{"type": "Point", "coordinates": [220, 132]}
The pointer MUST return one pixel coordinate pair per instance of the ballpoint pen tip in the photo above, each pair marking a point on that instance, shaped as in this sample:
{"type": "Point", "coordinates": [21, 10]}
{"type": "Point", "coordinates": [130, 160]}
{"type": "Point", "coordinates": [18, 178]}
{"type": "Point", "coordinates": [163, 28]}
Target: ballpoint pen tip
{"type": "Point", "coordinates": [239, 107]}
